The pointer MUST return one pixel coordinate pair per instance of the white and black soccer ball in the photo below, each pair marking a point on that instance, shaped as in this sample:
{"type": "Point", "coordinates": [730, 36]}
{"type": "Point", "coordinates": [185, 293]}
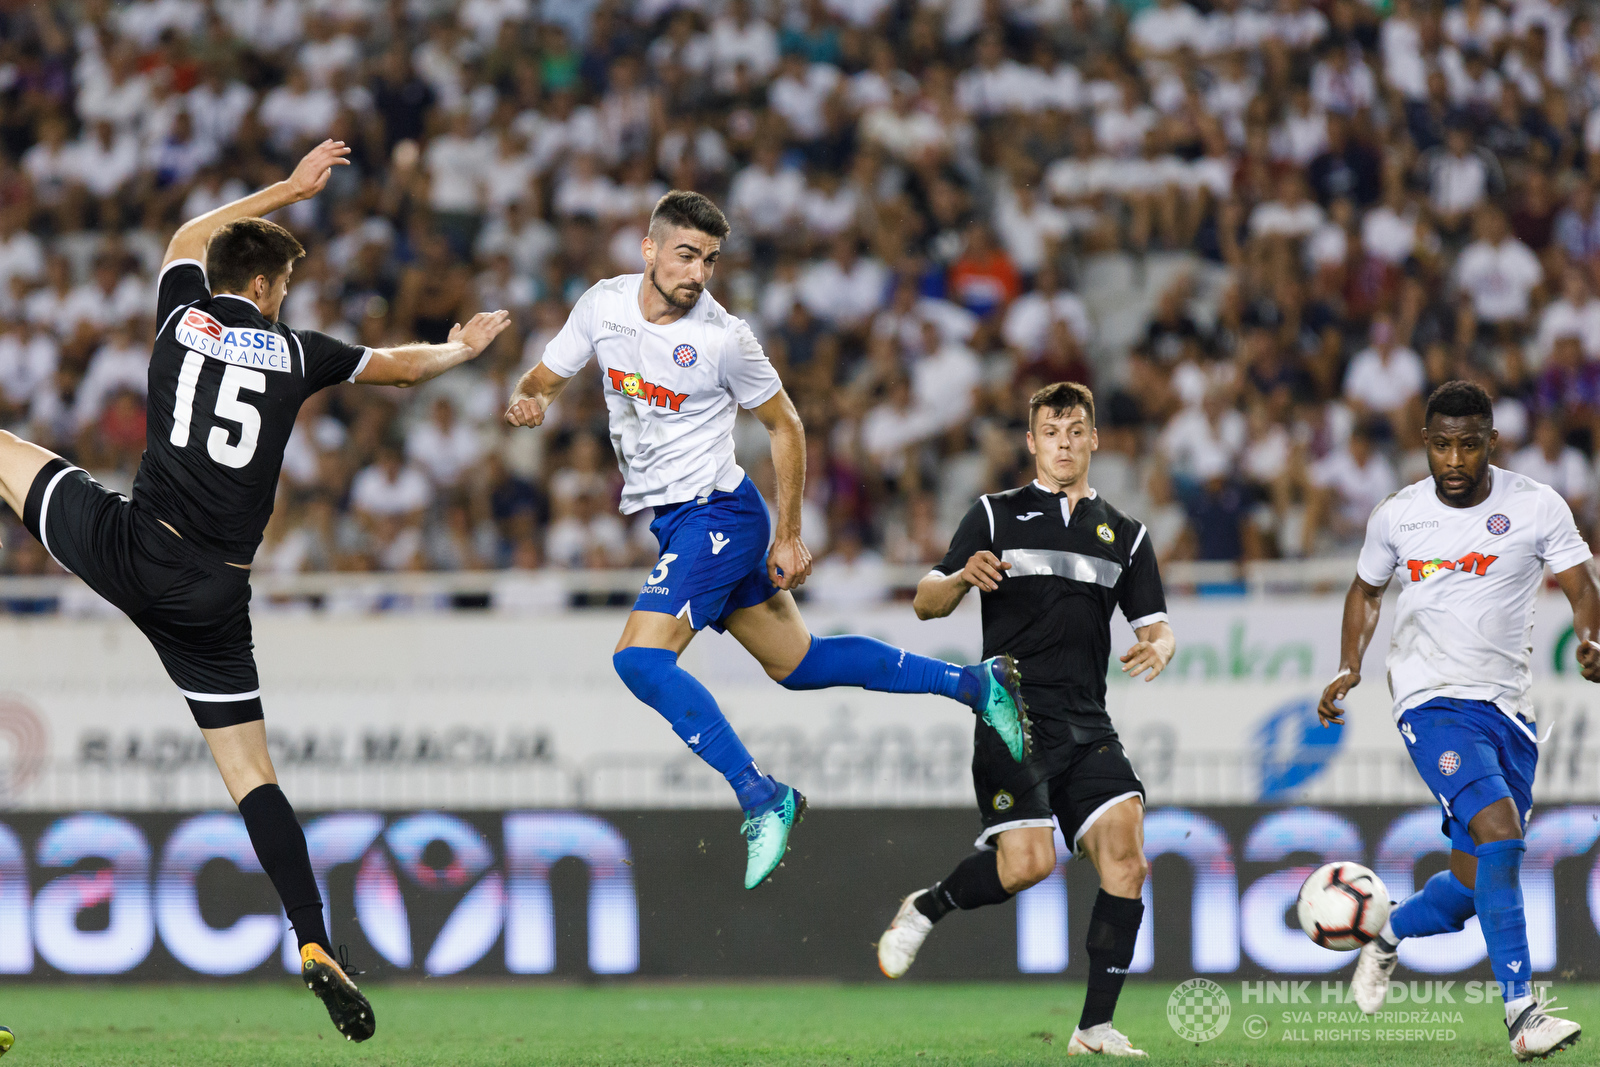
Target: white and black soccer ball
{"type": "Point", "coordinates": [1342, 905]}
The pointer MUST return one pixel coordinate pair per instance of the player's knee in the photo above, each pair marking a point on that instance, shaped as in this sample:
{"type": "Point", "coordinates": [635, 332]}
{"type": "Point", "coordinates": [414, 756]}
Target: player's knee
{"type": "Point", "coordinates": [1023, 867]}
{"type": "Point", "coordinates": [640, 668]}
{"type": "Point", "coordinates": [1496, 822]}
{"type": "Point", "coordinates": [1125, 871]}
{"type": "Point", "coordinates": [1035, 867]}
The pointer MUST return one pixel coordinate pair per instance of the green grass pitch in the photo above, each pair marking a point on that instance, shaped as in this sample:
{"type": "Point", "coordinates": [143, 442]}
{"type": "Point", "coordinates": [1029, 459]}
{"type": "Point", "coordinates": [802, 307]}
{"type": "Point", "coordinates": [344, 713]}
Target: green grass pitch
{"type": "Point", "coordinates": [464, 1024]}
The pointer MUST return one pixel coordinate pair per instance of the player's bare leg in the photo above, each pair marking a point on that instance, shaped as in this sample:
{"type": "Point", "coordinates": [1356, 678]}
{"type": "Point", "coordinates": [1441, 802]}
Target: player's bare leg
{"type": "Point", "coordinates": [777, 636]}
{"type": "Point", "coordinates": [20, 464]}
{"type": "Point", "coordinates": [646, 659]}
{"type": "Point", "coordinates": [1021, 858]}
{"type": "Point", "coordinates": [246, 765]}
{"type": "Point", "coordinates": [1114, 843]}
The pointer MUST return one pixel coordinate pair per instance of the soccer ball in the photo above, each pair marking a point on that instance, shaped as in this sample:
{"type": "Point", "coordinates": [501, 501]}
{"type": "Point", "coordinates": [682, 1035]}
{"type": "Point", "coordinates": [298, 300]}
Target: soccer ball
{"type": "Point", "coordinates": [1342, 905]}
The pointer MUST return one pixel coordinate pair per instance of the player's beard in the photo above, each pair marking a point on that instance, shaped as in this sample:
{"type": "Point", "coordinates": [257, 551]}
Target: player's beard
{"type": "Point", "coordinates": [1461, 495]}
{"type": "Point", "coordinates": [681, 305]}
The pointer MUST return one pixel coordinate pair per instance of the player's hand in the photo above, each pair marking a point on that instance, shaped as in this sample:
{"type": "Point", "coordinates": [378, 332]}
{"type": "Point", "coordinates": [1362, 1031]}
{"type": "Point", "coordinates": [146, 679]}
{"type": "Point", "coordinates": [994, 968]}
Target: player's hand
{"type": "Point", "coordinates": [1589, 661]}
{"type": "Point", "coordinates": [1144, 656]}
{"type": "Point", "coordinates": [526, 411]}
{"type": "Point", "coordinates": [984, 570]}
{"type": "Point", "coordinates": [482, 328]}
{"type": "Point", "coordinates": [1329, 712]}
{"type": "Point", "coordinates": [312, 173]}
{"type": "Point", "coordinates": [789, 563]}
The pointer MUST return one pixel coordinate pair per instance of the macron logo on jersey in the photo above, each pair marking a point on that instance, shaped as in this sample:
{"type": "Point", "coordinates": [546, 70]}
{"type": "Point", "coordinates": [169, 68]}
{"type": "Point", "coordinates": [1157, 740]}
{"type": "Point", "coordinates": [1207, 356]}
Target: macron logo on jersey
{"type": "Point", "coordinates": [243, 347]}
{"type": "Point", "coordinates": [1471, 563]}
{"type": "Point", "coordinates": [632, 384]}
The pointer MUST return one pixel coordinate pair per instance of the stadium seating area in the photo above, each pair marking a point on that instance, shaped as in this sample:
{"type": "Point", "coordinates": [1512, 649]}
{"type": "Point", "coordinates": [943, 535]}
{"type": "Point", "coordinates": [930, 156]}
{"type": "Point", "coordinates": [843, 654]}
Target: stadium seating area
{"type": "Point", "coordinates": [1262, 234]}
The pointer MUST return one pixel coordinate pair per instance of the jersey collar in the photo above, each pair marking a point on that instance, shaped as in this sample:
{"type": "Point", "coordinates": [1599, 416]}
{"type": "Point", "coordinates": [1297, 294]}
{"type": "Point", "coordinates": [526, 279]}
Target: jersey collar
{"type": "Point", "coordinates": [1040, 486]}
{"type": "Point", "coordinates": [236, 296]}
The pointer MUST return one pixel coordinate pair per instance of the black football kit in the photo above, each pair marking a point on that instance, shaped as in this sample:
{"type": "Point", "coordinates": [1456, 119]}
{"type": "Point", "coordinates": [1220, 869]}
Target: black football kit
{"type": "Point", "coordinates": [226, 384]}
{"type": "Point", "coordinates": [1070, 569]}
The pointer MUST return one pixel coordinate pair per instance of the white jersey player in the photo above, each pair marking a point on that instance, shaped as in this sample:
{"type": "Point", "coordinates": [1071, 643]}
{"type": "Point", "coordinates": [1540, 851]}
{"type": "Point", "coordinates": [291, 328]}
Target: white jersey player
{"type": "Point", "coordinates": [675, 368]}
{"type": "Point", "coordinates": [1469, 547]}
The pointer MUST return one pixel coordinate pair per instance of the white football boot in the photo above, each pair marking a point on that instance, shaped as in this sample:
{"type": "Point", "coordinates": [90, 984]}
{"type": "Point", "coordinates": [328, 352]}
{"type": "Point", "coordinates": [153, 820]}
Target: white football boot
{"type": "Point", "coordinates": [1536, 1033]}
{"type": "Point", "coordinates": [1103, 1039]}
{"type": "Point", "coordinates": [1370, 984]}
{"type": "Point", "coordinates": [898, 946]}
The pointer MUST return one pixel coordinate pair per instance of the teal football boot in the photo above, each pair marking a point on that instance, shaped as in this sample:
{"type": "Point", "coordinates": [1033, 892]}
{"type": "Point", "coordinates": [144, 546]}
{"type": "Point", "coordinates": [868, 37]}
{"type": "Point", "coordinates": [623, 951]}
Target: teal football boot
{"type": "Point", "coordinates": [1004, 709]}
{"type": "Point", "coordinates": [766, 832]}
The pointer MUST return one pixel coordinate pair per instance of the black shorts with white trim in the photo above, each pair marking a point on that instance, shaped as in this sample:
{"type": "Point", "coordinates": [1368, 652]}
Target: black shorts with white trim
{"type": "Point", "coordinates": [194, 609]}
{"type": "Point", "coordinates": [1074, 778]}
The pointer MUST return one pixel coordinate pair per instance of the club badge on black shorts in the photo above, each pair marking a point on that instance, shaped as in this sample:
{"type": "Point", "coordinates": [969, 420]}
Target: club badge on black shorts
{"type": "Point", "coordinates": [1003, 801]}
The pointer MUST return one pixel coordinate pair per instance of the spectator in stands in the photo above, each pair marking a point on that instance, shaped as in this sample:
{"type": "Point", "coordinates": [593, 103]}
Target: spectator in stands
{"type": "Point", "coordinates": [1549, 459]}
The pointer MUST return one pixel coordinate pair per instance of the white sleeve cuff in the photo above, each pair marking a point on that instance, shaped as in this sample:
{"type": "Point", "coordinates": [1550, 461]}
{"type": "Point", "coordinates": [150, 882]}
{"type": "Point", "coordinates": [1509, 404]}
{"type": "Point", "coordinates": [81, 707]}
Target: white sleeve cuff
{"type": "Point", "coordinates": [1147, 620]}
{"type": "Point", "coordinates": [1569, 560]}
{"type": "Point", "coordinates": [181, 263]}
{"type": "Point", "coordinates": [366, 357]}
{"type": "Point", "coordinates": [766, 394]}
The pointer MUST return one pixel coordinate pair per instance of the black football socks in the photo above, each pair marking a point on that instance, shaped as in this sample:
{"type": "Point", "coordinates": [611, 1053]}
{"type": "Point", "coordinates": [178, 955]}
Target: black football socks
{"type": "Point", "coordinates": [974, 883]}
{"type": "Point", "coordinates": [280, 845]}
{"type": "Point", "coordinates": [1113, 929]}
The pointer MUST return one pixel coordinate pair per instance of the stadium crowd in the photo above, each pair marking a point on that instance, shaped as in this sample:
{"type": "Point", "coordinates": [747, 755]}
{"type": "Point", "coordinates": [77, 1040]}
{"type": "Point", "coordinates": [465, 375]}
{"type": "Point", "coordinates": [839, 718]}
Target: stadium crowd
{"type": "Point", "coordinates": [1349, 203]}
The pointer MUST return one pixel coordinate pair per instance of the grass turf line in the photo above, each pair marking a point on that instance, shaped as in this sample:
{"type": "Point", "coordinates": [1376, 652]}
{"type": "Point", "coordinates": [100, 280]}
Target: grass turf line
{"type": "Point", "coordinates": [465, 1024]}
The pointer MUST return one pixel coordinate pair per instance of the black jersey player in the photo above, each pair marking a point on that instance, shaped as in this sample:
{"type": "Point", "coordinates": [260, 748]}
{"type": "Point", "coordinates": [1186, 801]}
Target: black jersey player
{"type": "Point", "coordinates": [226, 381]}
{"type": "Point", "coordinates": [1052, 561]}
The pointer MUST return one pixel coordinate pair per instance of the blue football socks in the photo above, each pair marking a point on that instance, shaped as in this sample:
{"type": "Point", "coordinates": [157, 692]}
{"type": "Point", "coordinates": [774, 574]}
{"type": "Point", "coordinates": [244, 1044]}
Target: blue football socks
{"type": "Point", "coordinates": [871, 664]}
{"type": "Point", "coordinates": [653, 675]}
{"type": "Point", "coordinates": [1498, 895]}
{"type": "Point", "coordinates": [1441, 906]}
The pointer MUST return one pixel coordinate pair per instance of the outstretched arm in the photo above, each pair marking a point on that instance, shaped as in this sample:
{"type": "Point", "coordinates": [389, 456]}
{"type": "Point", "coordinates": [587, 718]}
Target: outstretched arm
{"type": "Point", "coordinates": [533, 396]}
{"type": "Point", "coordinates": [410, 365]}
{"type": "Point", "coordinates": [789, 561]}
{"type": "Point", "coordinates": [307, 181]}
{"type": "Point", "coordinates": [1361, 606]}
{"type": "Point", "coordinates": [1584, 596]}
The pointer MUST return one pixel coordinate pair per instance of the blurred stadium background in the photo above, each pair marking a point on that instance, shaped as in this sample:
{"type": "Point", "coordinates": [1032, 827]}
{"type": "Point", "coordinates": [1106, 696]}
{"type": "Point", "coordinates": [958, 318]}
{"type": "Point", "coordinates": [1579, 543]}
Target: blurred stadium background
{"type": "Point", "coordinates": [1261, 232]}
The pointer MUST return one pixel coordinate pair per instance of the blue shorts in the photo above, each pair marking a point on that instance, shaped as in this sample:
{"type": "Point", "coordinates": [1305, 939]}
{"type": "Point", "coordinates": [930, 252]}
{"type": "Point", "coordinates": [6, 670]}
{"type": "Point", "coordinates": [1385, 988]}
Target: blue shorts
{"type": "Point", "coordinates": [713, 557]}
{"type": "Point", "coordinates": [1471, 754]}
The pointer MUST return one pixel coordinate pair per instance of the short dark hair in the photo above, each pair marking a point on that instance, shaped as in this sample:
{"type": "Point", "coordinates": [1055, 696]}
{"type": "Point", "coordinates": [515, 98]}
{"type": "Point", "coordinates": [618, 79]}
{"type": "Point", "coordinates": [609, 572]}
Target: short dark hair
{"type": "Point", "coordinates": [687, 210]}
{"type": "Point", "coordinates": [246, 248]}
{"type": "Point", "coordinates": [1459, 399]}
{"type": "Point", "coordinates": [1061, 398]}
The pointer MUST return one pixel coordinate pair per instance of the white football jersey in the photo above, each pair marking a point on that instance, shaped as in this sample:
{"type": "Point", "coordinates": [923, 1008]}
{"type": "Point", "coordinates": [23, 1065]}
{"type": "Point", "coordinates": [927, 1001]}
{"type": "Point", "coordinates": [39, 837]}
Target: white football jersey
{"type": "Point", "coordinates": [672, 391]}
{"type": "Point", "coordinates": [1468, 578]}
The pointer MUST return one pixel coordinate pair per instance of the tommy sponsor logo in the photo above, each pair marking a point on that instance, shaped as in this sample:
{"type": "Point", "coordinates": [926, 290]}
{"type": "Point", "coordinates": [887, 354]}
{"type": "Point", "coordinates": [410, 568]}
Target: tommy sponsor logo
{"type": "Point", "coordinates": [617, 327]}
{"type": "Point", "coordinates": [241, 346]}
{"type": "Point", "coordinates": [1472, 563]}
{"type": "Point", "coordinates": [630, 383]}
